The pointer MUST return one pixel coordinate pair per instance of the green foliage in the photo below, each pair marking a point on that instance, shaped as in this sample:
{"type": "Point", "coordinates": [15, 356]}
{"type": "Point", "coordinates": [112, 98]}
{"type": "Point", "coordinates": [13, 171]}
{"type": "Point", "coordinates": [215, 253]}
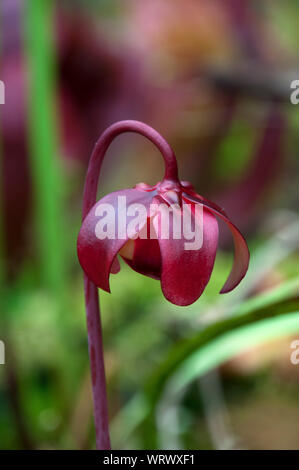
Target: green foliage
{"type": "Point", "coordinates": [265, 317]}
{"type": "Point", "coordinates": [46, 170]}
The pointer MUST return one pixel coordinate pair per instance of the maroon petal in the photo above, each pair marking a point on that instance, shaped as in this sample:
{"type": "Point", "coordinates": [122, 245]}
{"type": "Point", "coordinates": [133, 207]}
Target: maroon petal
{"type": "Point", "coordinates": [241, 254]}
{"type": "Point", "coordinates": [98, 257]}
{"type": "Point", "coordinates": [146, 256]}
{"type": "Point", "coordinates": [192, 196]}
{"type": "Point", "coordinates": [185, 273]}
{"type": "Point", "coordinates": [115, 268]}
{"type": "Point", "coordinates": [241, 258]}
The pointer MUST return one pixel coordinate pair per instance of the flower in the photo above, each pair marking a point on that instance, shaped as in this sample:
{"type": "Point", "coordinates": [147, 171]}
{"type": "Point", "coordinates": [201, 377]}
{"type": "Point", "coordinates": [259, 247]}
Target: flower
{"type": "Point", "coordinates": [184, 273]}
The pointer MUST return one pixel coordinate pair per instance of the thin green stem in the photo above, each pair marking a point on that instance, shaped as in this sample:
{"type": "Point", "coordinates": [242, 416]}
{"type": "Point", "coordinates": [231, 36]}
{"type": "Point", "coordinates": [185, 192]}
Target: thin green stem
{"type": "Point", "coordinates": [46, 171]}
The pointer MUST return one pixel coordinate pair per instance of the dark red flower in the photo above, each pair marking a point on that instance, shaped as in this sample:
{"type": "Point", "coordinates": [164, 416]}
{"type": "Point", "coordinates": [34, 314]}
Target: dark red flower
{"type": "Point", "coordinates": [184, 273]}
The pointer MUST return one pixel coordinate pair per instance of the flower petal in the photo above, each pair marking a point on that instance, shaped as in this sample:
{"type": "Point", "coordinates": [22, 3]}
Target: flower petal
{"type": "Point", "coordinates": [98, 256]}
{"type": "Point", "coordinates": [192, 196]}
{"type": "Point", "coordinates": [115, 268]}
{"type": "Point", "coordinates": [146, 257]}
{"type": "Point", "coordinates": [241, 258]}
{"type": "Point", "coordinates": [241, 252]}
{"type": "Point", "coordinates": [185, 273]}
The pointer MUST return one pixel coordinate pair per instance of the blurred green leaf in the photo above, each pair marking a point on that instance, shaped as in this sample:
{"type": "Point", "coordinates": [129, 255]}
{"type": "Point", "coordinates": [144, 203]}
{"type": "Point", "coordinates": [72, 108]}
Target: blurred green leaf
{"type": "Point", "coordinates": [278, 294]}
{"type": "Point", "coordinates": [46, 171]}
{"type": "Point", "coordinates": [216, 344]}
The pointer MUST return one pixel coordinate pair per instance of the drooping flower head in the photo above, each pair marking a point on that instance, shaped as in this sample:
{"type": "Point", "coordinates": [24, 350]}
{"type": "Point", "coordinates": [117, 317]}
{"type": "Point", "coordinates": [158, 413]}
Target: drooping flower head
{"type": "Point", "coordinates": [166, 231]}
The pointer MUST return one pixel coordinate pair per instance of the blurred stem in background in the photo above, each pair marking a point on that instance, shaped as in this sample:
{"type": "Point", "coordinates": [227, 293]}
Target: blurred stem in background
{"type": "Point", "coordinates": [46, 171]}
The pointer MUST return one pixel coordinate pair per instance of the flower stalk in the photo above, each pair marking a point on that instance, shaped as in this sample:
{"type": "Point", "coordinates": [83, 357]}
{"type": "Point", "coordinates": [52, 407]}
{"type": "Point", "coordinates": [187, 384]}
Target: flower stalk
{"type": "Point", "coordinates": [94, 328]}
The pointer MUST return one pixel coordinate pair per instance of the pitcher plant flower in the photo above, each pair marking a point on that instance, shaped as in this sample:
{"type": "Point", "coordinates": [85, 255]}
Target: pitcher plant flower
{"type": "Point", "coordinates": [183, 268]}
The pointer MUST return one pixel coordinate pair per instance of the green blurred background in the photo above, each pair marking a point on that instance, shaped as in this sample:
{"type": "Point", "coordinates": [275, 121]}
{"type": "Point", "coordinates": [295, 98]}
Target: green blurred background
{"type": "Point", "coordinates": [213, 76]}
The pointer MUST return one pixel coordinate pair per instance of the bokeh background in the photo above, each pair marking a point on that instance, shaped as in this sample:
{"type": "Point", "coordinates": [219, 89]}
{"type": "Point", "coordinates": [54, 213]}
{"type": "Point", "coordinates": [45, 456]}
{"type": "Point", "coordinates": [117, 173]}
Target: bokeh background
{"type": "Point", "coordinates": [213, 76]}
